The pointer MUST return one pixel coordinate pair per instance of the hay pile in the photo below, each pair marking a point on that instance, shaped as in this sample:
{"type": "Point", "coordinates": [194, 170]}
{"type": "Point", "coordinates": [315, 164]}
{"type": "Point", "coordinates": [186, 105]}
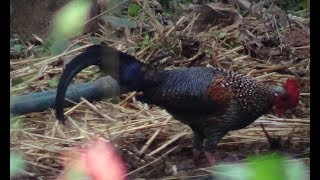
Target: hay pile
{"type": "Point", "coordinates": [152, 143]}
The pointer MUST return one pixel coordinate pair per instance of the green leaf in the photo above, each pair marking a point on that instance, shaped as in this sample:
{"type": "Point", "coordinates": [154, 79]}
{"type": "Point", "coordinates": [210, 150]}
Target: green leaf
{"type": "Point", "coordinates": [145, 41]}
{"type": "Point", "coordinates": [53, 82]}
{"type": "Point", "coordinates": [16, 163]}
{"type": "Point", "coordinates": [134, 10]}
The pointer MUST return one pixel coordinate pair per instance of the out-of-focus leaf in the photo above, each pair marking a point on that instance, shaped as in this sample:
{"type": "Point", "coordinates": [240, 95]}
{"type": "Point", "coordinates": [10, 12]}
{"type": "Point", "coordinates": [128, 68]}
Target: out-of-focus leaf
{"type": "Point", "coordinates": [296, 171]}
{"type": "Point", "coordinates": [233, 172]}
{"type": "Point", "coordinates": [267, 167]}
{"type": "Point", "coordinates": [116, 21]}
{"type": "Point", "coordinates": [262, 167]}
{"type": "Point", "coordinates": [70, 20]}
{"type": "Point", "coordinates": [75, 173]}
{"type": "Point", "coordinates": [16, 163]}
{"type": "Point", "coordinates": [15, 123]}
{"type": "Point", "coordinates": [68, 23]}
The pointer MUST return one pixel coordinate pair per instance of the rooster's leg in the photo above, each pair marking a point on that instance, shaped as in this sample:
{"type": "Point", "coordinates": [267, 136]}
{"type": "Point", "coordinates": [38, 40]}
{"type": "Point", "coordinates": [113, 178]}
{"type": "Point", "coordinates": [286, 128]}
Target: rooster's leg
{"type": "Point", "coordinates": [211, 141]}
{"type": "Point", "coordinates": [198, 139]}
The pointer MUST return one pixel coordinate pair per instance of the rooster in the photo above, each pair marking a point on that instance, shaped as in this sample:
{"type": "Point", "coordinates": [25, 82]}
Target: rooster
{"type": "Point", "coordinates": [212, 101]}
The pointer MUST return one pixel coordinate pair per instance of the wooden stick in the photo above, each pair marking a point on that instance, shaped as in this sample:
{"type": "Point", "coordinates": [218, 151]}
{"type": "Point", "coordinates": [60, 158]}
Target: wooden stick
{"type": "Point", "coordinates": [131, 95]}
{"type": "Point", "coordinates": [148, 143]}
{"type": "Point", "coordinates": [94, 108]}
{"type": "Point", "coordinates": [167, 143]}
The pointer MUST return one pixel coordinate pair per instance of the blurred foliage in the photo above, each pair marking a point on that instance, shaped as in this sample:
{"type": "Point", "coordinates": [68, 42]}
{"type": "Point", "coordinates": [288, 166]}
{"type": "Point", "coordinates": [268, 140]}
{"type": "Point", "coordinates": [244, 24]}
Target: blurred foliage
{"type": "Point", "coordinates": [263, 167]}
{"type": "Point", "coordinates": [70, 20]}
{"type": "Point", "coordinates": [267, 167]}
{"type": "Point", "coordinates": [16, 163]}
{"type": "Point", "coordinates": [16, 123]}
{"type": "Point", "coordinates": [69, 23]}
{"type": "Point", "coordinates": [76, 174]}
{"type": "Point", "coordinates": [16, 159]}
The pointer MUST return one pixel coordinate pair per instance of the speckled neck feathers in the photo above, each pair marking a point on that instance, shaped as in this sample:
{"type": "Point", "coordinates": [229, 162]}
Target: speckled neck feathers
{"type": "Point", "coordinates": [254, 98]}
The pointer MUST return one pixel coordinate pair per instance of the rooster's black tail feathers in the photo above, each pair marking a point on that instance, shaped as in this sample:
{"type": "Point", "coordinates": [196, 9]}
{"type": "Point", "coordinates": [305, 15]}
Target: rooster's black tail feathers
{"type": "Point", "coordinates": [126, 69]}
